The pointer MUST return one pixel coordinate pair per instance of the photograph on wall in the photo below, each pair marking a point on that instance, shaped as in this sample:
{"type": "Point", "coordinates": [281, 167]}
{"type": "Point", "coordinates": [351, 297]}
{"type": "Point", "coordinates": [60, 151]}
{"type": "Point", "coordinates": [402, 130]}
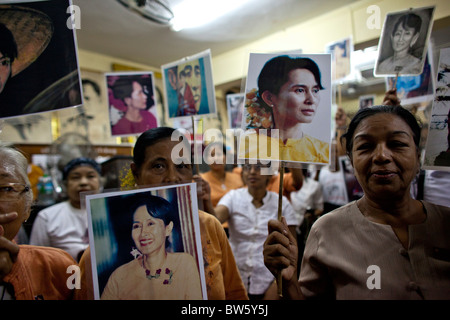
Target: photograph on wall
{"type": "Point", "coordinates": [90, 119]}
{"type": "Point", "coordinates": [340, 58]}
{"type": "Point", "coordinates": [403, 43]}
{"type": "Point", "coordinates": [235, 106]}
{"type": "Point", "coordinates": [437, 148]}
{"type": "Point", "coordinates": [414, 89]}
{"type": "Point", "coordinates": [189, 87]}
{"type": "Point", "coordinates": [131, 101]}
{"type": "Point", "coordinates": [38, 49]}
{"type": "Point", "coordinates": [287, 108]}
{"type": "Point", "coordinates": [366, 101]}
{"type": "Point", "coordinates": [145, 244]}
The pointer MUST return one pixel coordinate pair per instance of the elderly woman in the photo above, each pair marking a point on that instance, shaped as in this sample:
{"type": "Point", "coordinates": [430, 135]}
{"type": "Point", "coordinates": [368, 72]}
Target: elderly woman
{"type": "Point", "coordinates": [26, 272]}
{"type": "Point", "coordinates": [385, 245]}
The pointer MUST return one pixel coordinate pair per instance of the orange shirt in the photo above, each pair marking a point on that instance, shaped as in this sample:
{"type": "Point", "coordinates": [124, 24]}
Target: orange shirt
{"type": "Point", "coordinates": [219, 188]}
{"type": "Point", "coordinates": [40, 273]}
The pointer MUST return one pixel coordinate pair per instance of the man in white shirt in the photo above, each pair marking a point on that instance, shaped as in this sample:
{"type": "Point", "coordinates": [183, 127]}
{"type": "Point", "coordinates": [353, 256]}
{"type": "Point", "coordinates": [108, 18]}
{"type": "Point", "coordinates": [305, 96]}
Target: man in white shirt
{"type": "Point", "coordinates": [248, 211]}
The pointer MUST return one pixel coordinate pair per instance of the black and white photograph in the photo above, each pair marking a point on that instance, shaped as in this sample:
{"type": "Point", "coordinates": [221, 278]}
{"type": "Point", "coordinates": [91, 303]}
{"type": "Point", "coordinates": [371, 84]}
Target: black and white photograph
{"type": "Point", "coordinates": [403, 43]}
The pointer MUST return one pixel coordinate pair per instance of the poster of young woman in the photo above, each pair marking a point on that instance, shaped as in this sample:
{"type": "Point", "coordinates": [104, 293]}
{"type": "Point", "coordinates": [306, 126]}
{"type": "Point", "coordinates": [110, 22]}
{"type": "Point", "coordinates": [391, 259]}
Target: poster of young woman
{"type": "Point", "coordinates": [287, 110]}
{"type": "Point", "coordinates": [38, 57]}
{"type": "Point", "coordinates": [403, 42]}
{"type": "Point", "coordinates": [131, 101]}
{"type": "Point", "coordinates": [145, 244]}
{"type": "Point", "coordinates": [189, 86]}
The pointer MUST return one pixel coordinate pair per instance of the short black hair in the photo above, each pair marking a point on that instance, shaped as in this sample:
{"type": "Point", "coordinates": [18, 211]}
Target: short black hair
{"type": "Point", "coordinates": [362, 114]}
{"type": "Point", "coordinates": [8, 46]}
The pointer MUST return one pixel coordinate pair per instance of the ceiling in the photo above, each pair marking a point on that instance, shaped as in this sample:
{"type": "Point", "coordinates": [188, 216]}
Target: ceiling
{"type": "Point", "coordinates": [107, 27]}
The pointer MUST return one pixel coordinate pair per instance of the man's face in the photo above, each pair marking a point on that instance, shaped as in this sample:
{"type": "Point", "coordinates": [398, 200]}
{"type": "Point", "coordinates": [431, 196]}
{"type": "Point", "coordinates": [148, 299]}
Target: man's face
{"type": "Point", "coordinates": [193, 79]}
{"type": "Point", "coordinates": [5, 70]}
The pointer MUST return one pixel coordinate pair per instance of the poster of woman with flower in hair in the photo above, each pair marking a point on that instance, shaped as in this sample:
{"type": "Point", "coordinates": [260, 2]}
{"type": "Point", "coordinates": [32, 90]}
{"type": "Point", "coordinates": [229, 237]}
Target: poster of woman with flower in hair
{"type": "Point", "coordinates": [145, 244]}
{"type": "Point", "coordinates": [287, 111]}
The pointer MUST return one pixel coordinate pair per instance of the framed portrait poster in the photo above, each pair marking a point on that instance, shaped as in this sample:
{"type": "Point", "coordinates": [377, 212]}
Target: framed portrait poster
{"type": "Point", "coordinates": [145, 244]}
{"type": "Point", "coordinates": [403, 42]}
{"type": "Point", "coordinates": [235, 105]}
{"type": "Point", "coordinates": [437, 148]}
{"type": "Point", "coordinates": [189, 87]}
{"type": "Point", "coordinates": [40, 51]}
{"type": "Point", "coordinates": [287, 108]}
{"type": "Point", "coordinates": [414, 89]}
{"type": "Point", "coordinates": [340, 58]}
{"type": "Point", "coordinates": [131, 101]}
{"type": "Point", "coordinates": [366, 101]}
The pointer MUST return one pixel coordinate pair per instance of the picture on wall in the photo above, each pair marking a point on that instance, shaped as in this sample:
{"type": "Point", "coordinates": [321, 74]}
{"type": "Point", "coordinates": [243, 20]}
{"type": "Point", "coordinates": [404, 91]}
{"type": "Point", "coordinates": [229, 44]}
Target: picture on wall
{"type": "Point", "coordinates": [92, 118]}
{"type": "Point", "coordinates": [437, 149]}
{"type": "Point", "coordinates": [235, 106]}
{"type": "Point", "coordinates": [403, 42]}
{"type": "Point", "coordinates": [287, 111]}
{"type": "Point", "coordinates": [39, 52]}
{"type": "Point", "coordinates": [131, 101]}
{"type": "Point", "coordinates": [366, 101]}
{"type": "Point", "coordinates": [189, 87]}
{"type": "Point", "coordinates": [145, 244]}
{"type": "Point", "coordinates": [340, 57]}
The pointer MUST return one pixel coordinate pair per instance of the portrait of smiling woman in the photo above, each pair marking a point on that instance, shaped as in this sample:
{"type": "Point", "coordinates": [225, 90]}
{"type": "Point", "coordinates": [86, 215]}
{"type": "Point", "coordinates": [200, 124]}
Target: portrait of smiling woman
{"type": "Point", "coordinates": [157, 272]}
{"type": "Point", "coordinates": [293, 102]}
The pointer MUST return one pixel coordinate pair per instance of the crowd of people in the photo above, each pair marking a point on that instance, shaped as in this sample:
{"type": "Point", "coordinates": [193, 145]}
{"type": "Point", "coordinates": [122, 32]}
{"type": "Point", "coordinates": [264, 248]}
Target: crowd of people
{"type": "Point", "coordinates": [325, 246]}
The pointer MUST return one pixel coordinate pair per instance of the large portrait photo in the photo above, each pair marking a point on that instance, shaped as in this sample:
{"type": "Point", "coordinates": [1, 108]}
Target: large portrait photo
{"type": "Point", "coordinates": [38, 58]}
{"type": "Point", "coordinates": [145, 244]}
{"type": "Point", "coordinates": [287, 111]}
{"type": "Point", "coordinates": [131, 100]}
{"type": "Point", "coordinates": [403, 43]}
{"type": "Point", "coordinates": [189, 86]}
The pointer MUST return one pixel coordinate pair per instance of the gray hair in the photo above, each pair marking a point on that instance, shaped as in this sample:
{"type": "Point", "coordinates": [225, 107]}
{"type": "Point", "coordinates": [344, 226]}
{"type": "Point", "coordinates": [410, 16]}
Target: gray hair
{"type": "Point", "coordinates": [21, 164]}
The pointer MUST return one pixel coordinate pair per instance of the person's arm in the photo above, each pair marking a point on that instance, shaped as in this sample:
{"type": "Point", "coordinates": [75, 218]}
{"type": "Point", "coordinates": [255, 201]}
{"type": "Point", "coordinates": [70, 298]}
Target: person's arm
{"type": "Point", "coordinates": [204, 194]}
{"type": "Point", "coordinates": [222, 213]}
{"type": "Point", "coordinates": [280, 255]}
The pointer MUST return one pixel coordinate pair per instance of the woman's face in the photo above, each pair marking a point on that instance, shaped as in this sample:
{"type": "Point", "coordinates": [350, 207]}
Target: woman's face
{"type": "Point", "coordinates": [80, 179]}
{"type": "Point", "coordinates": [384, 156]}
{"type": "Point", "coordinates": [403, 38]}
{"type": "Point", "coordinates": [9, 174]}
{"type": "Point", "coordinates": [138, 99]}
{"type": "Point", "coordinates": [148, 233]}
{"type": "Point", "coordinates": [159, 167]}
{"type": "Point", "coordinates": [297, 100]}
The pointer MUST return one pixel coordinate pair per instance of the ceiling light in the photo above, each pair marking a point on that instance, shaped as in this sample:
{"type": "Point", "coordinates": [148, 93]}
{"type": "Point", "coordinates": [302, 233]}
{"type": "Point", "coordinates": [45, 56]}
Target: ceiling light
{"type": "Point", "coordinates": [196, 13]}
